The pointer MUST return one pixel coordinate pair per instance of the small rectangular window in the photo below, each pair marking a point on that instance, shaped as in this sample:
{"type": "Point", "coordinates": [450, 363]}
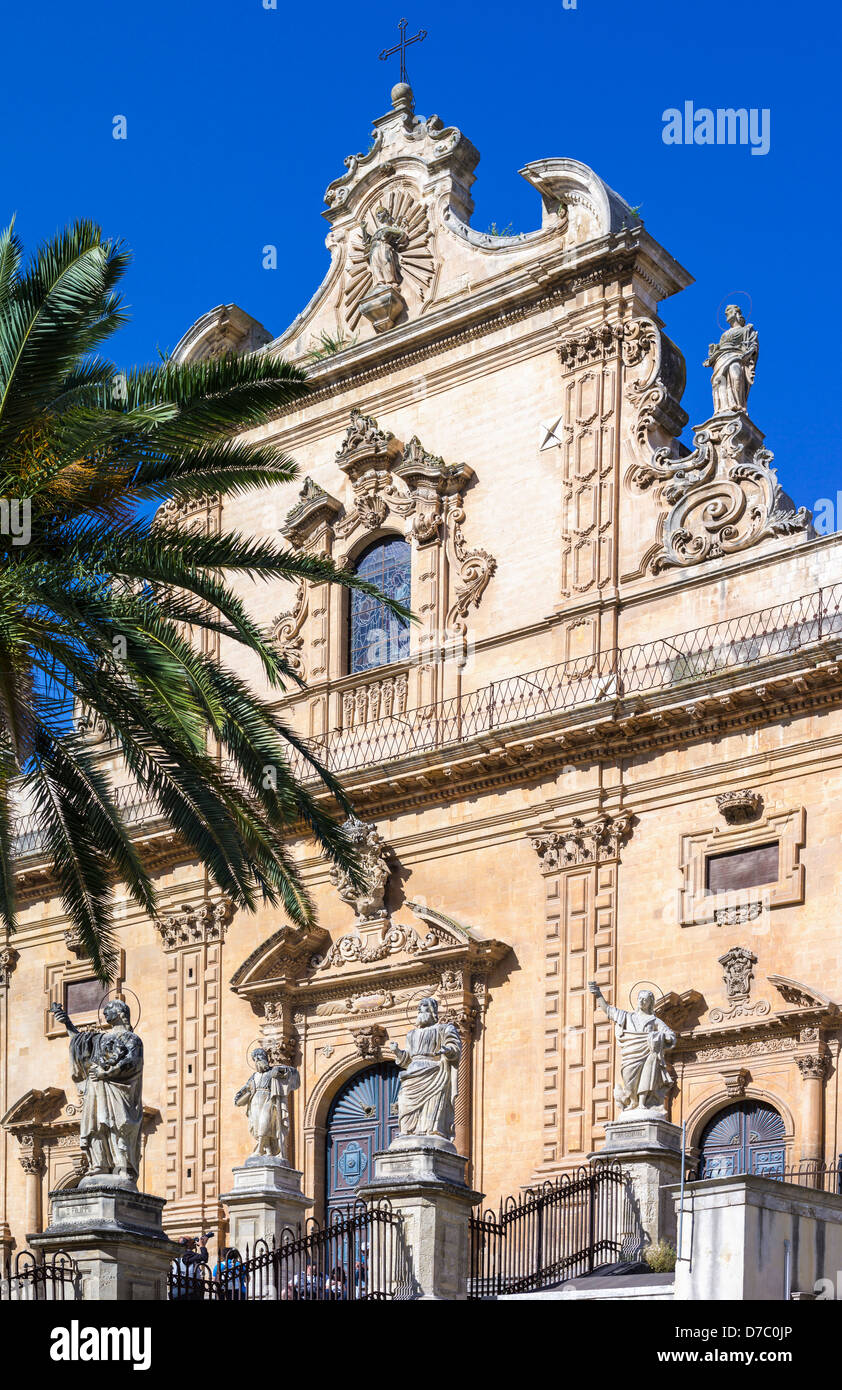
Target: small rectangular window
{"type": "Point", "coordinates": [742, 868]}
{"type": "Point", "coordinates": [83, 996]}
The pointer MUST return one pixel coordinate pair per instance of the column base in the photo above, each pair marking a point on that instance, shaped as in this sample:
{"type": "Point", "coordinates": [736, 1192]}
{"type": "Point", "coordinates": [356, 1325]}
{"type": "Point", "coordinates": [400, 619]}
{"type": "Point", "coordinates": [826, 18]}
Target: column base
{"type": "Point", "coordinates": [115, 1235]}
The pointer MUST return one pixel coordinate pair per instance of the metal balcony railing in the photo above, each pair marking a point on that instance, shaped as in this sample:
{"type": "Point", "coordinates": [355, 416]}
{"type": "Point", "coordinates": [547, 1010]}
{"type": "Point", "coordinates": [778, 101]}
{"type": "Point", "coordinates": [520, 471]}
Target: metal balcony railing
{"type": "Point", "coordinates": [666, 664]}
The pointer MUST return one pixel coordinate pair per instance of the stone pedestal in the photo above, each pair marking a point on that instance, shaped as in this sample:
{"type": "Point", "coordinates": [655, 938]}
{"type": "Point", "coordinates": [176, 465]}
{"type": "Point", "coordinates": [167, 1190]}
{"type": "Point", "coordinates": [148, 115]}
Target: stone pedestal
{"type": "Point", "coordinates": [648, 1148]}
{"type": "Point", "coordinates": [423, 1179]}
{"type": "Point", "coordinates": [383, 307]}
{"type": "Point", "coordinates": [115, 1235]}
{"type": "Point", "coordinates": [266, 1199]}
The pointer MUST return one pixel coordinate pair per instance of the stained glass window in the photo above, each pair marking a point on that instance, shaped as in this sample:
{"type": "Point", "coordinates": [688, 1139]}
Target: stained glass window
{"type": "Point", "coordinates": [376, 635]}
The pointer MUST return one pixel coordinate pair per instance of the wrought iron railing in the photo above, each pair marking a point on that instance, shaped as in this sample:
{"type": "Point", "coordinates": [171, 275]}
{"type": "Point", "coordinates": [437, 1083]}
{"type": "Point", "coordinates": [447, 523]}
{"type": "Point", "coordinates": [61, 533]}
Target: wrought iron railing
{"type": "Point", "coordinates": [672, 664]}
{"type": "Point", "coordinates": [822, 1177]}
{"type": "Point", "coordinates": [574, 1225]}
{"type": "Point", "coordinates": [31, 1278]}
{"type": "Point", "coordinates": [359, 1255]}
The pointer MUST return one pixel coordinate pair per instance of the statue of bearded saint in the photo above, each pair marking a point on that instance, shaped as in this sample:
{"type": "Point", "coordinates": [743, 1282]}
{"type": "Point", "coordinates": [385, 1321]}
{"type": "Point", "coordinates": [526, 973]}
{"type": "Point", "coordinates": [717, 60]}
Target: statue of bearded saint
{"type": "Point", "coordinates": [382, 248]}
{"type": "Point", "coordinates": [265, 1093]}
{"type": "Point", "coordinates": [733, 359]}
{"type": "Point", "coordinates": [428, 1067]}
{"type": "Point", "coordinates": [108, 1069]}
{"type": "Point", "coordinates": [643, 1039]}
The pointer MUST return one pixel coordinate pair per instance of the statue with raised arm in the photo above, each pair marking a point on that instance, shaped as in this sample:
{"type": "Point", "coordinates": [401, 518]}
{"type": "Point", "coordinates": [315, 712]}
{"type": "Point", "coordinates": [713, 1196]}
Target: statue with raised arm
{"type": "Point", "coordinates": [266, 1096]}
{"type": "Point", "coordinates": [108, 1069]}
{"type": "Point", "coordinates": [428, 1065]}
{"type": "Point", "coordinates": [733, 359]}
{"type": "Point", "coordinates": [644, 1039]}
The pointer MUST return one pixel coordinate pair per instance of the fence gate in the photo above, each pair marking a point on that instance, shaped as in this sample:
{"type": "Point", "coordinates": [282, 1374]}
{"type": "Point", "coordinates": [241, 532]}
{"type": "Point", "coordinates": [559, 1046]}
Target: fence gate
{"type": "Point", "coordinates": [568, 1227]}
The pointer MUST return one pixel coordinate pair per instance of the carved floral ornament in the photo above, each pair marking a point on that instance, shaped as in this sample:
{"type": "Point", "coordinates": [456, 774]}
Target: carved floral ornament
{"type": "Point", "coordinates": [579, 843]}
{"type": "Point", "coordinates": [195, 923]}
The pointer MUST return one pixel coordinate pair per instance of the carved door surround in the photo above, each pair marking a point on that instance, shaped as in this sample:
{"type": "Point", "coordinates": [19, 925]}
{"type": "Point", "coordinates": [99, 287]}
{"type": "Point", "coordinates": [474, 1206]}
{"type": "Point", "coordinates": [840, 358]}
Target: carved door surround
{"type": "Point", "coordinates": [335, 1003]}
{"type": "Point", "coordinates": [773, 1049]}
{"type": "Point", "coordinates": [391, 489]}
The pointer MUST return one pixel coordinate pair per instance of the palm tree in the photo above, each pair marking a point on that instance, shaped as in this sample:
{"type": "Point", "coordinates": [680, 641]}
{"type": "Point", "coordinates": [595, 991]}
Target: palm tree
{"type": "Point", "coordinates": [98, 601]}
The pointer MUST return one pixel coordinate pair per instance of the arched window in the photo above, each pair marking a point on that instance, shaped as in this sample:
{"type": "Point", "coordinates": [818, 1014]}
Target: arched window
{"type": "Point", "coordinates": [748, 1137]}
{"type": "Point", "coordinates": [376, 636]}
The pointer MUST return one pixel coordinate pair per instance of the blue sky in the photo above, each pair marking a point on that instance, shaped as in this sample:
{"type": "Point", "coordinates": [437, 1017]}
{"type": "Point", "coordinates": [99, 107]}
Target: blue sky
{"type": "Point", "coordinates": [238, 117]}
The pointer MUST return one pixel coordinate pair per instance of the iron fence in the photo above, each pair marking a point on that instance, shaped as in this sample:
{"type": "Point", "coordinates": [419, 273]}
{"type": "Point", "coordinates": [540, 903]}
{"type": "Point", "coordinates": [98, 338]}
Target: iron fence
{"type": "Point", "coordinates": [359, 1255]}
{"type": "Point", "coordinates": [571, 1226]}
{"type": "Point", "coordinates": [31, 1278]}
{"type": "Point", "coordinates": [822, 1177]}
{"type": "Point", "coordinates": [598, 680]}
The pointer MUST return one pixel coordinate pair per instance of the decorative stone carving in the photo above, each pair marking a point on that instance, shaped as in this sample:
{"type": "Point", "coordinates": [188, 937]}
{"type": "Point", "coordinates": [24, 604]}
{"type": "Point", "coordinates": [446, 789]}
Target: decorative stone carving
{"type": "Point", "coordinates": [286, 631]}
{"type": "Point", "coordinates": [733, 360]}
{"type": "Point", "coordinates": [737, 914]}
{"type": "Point", "coordinates": [739, 806]}
{"type": "Point", "coordinates": [644, 1040]}
{"type": "Point", "coordinates": [108, 1067]}
{"type": "Point", "coordinates": [375, 856]}
{"type": "Point", "coordinates": [369, 1041]}
{"type": "Point", "coordinates": [582, 844]}
{"type": "Point", "coordinates": [73, 941]}
{"type": "Point", "coordinates": [8, 960]}
{"type": "Point", "coordinates": [814, 1068]}
{"type": "Point", "coordinates": [206, 921]}
{"type": "Point", "coordinates": [738, 972]}
{"type": "Point", "coordinates": [265, 1095]}
{"type": "Point", "coordinates": [736, 1079]}
{"type": "Point", "coordinates": [314, 509]}
{"type": "Point", "coordinates": [428, 1065]}
{"type": "Point", "coordinates": [392, 255]}
{"type": "Point", "coordinates": [724, 496]}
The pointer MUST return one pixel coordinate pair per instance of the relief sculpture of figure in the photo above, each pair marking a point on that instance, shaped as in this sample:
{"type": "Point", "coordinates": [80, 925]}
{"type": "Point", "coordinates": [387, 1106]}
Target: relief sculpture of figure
{"type": "Point", "coordinates": [382, 248]}
{"type": "Point", "coordinates": [428, 1067]}
{"type": "Point", "coordinates": [643, 1039]}
{"type": "Point", "coordinates": [108, 1069]}
{"type": "Point", "coordinates": [733, 359]}
{"type": "Point", "coordinates": [265, 1093]}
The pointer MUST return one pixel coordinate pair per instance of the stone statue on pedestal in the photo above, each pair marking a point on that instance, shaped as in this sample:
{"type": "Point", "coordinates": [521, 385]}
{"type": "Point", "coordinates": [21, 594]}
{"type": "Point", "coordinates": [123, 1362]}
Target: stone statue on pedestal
{"type": "Point", "coordinates": [428, 1066]}
{"type": "Point", "coordinates": [265, 1093]}
{"type": "Point", "coordinates": [108, 1069]}
{"type": "Point", "coordinates": [733, 360]}
{"type": "Point", "coordinates": [644, 1040]}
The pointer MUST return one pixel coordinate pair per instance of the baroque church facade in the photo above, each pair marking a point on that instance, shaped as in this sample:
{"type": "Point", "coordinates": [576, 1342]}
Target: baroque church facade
{"type": "Point", "coordinates": [606, 751]}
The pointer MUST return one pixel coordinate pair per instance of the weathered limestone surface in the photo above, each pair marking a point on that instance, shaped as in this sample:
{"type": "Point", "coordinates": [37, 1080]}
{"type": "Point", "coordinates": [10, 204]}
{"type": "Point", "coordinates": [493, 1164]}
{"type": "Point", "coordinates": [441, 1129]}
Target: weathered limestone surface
{"type": "Point", "coordinates": [423, 1178]}
{"type": "Point", "coordinates": [734, 1237]}
{"type": "Point", "coordinates": [116, 1238]}
{"type": "Point", "coordinates": [527, 404]}
{"type": "Point", "coordinates": [265, 1201]}
{"type": "Point", "coordinates": [649, 1150]}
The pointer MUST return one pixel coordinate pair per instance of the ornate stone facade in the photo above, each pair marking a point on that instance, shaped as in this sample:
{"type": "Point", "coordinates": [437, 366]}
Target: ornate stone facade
{"type": "Point", "coordinates": [613, 751]}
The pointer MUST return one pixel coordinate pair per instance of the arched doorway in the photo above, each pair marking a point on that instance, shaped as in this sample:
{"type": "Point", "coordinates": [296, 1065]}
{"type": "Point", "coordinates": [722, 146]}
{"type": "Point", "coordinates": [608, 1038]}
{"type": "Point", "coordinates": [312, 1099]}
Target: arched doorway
{"type": "Point", "coordinates": [362, 1120]}
{"type": "Point", "coordinates": [748, 1137]}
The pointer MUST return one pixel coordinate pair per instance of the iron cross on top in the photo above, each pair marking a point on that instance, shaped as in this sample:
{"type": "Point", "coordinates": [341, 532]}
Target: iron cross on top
{"type": "Point", "coordinates": [402, 45]}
